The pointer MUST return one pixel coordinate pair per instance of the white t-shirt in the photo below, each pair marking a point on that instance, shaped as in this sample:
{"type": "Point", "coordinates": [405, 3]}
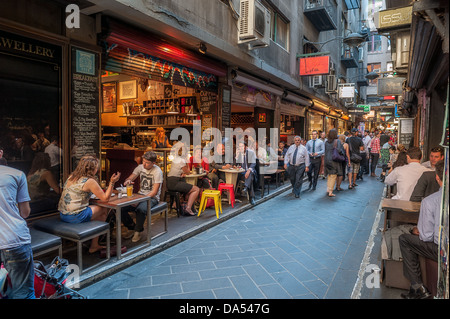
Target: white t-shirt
{"type": "Point", "coordinates": [176, 168]}
{"type": "Point", "coordinates": [149, 177]}
{"type": "Point", "coordinates": [14, 231]}
{"type": "Point", "coordinates": [406, 178]}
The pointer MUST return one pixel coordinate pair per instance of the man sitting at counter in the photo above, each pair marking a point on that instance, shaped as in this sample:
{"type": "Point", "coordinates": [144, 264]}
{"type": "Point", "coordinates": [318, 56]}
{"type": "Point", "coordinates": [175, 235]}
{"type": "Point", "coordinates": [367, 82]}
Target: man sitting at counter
{"type": "Point", "coordinates": [151, 179]}
{"type": "Point", "coordinates": [247, 159]}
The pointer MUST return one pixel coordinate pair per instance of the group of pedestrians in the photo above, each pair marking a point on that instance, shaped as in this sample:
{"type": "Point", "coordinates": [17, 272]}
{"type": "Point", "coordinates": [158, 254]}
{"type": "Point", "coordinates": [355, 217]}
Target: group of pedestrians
{"type": "Point", "coordinates": [350, 155]}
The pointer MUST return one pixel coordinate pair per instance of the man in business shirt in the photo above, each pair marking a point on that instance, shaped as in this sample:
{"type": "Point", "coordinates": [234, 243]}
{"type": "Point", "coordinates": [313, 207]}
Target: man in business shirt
{"type": "Point", "coordinates": [406, 176]}
{"type": "Point", "coordinates": [298, 159]}
{"type": "Point", "coordinates": [247, 159]}
{"type": "Point", "coordinates": [316, 149]}
{"type": "Point", "coordinates": [423, 240]}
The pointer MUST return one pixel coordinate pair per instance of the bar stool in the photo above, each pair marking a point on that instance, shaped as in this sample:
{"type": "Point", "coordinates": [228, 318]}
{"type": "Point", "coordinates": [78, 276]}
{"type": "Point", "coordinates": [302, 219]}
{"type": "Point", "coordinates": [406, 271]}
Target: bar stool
{"type": "Point", "coordinates": [230, 189]}
{"type": "Point", "coordinates": [207, 193]}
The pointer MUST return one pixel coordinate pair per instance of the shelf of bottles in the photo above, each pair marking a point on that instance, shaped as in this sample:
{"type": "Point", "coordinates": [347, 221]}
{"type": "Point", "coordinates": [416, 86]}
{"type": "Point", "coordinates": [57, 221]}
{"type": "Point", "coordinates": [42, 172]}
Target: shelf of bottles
{"type": "Point", "coordinates": [162, 112]}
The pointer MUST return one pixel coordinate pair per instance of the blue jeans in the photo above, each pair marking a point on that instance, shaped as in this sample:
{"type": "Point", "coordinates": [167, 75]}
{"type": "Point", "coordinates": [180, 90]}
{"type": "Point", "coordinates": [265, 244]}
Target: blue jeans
{"type": "Point", "coordinates": [20, 266]}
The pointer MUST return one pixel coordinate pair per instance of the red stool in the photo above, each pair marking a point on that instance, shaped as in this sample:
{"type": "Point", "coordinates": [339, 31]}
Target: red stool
{"type": "Point", "coordinates": [230, 189]}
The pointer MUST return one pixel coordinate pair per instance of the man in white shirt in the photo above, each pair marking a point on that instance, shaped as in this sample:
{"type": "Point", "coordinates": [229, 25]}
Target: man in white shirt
{"type": "Point", "coordinates": [297, 158]}
{"type": "Point", "coordinates": [406, 176]}
{"type": "Point", "coordinates": [55, 153]}
{"type": "Point", "coordinates": [365, 161]}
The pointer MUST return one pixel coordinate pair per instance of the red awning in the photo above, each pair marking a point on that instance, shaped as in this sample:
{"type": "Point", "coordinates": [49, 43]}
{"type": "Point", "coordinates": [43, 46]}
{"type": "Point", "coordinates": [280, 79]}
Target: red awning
{"type": "Point", "coordinates": [148, 43]}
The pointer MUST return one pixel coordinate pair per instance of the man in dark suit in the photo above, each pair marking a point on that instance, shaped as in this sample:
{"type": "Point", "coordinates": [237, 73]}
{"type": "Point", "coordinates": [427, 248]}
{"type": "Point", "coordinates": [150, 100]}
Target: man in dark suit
{"type": "Point", "coordinates": [246, 158]}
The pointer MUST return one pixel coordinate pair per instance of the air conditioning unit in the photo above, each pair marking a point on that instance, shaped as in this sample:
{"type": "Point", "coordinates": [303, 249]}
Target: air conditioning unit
{"type": "Point", "coordinates": [331, 84]}
{"type": "Point", "coordinates": [254, 24]}
{"type": "Point", "coordinates": [316, 81]}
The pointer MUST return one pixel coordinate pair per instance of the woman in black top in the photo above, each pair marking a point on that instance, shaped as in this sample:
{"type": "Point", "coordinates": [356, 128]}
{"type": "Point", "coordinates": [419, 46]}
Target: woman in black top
{"type": "Point", "coordinates": [333, 169]}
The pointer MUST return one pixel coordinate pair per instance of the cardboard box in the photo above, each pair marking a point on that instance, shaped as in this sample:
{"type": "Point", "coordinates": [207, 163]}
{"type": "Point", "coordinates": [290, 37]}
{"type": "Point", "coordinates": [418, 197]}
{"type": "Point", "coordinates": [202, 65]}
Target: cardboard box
{"type": "Point", "coordinates": [393, 273]}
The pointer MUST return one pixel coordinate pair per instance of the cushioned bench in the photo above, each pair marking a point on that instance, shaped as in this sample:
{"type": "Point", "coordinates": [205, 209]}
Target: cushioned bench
{"type": "Point", "coordinates": [160, 208]}
{"type": "Point", "coordinates": [78, 233]}
{"type": "Point", "coordinates": [42, 243]}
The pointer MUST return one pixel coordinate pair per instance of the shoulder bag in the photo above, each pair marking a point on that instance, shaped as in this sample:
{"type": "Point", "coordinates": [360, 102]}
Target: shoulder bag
{"type": "Point", "coordinates": [336, 156]}
{"type": "Point", "coordinates": [354, 157]}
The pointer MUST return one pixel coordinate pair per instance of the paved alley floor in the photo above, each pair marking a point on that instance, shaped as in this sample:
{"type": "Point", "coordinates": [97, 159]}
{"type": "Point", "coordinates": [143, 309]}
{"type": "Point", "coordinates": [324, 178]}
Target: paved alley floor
{"type": "Point", "coordinates": [284, 248]}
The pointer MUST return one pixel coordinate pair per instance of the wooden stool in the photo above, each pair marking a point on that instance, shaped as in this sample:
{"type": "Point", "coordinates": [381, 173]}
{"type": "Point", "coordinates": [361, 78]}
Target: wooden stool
{"type": "Point", "coordinates": [217, 201]}
{"type": "Point", "coordinates": [230, 189]}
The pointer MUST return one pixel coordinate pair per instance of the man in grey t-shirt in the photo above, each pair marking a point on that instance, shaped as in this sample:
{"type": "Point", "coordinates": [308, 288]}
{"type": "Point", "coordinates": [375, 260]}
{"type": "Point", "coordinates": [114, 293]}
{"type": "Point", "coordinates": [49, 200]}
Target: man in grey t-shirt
{"type": "Point", "coordinates": [151, 179]}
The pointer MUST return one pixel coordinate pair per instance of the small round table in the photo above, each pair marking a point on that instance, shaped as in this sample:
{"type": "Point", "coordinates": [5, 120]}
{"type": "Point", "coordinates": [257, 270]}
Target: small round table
{"type": "Point", "coordinates": [192, 178]}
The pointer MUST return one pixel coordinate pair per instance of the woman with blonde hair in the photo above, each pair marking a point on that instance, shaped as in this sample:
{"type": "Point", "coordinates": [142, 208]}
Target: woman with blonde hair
{"type": "Point", "coordinates": [332, 168]}
{"type": "Point", "coordinates": [74, 202]}
{"type": "Point", "coordinates": [161, 140]}
{"type": "Point", "coordinates": [346, 167]}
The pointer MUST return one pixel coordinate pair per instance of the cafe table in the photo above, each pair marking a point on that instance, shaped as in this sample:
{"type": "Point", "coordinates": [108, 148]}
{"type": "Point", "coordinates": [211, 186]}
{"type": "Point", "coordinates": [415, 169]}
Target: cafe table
{"type": "Point", "coordinates": [400, 210]}
{"type": "Point", "coordinates": [231, 175]}
{"type": "Point", "coordinates": [117, 204]}
{"type": "Point", "coordinates": [192, 178]}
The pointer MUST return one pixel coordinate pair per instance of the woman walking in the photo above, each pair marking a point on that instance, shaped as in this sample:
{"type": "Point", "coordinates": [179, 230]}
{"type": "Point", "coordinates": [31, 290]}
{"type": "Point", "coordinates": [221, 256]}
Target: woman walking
{"type": "Point", "coordinates": [332, 168]}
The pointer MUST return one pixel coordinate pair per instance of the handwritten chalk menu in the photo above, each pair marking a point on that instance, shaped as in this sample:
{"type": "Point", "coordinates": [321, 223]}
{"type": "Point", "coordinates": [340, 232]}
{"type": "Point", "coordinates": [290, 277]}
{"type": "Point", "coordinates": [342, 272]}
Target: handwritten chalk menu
{"type": "Point", "coordinates": [226, 107]}
{"type": "Point", "coordinates": [406, 130]}
{"type": "Point", "coordinates": [85, 104]}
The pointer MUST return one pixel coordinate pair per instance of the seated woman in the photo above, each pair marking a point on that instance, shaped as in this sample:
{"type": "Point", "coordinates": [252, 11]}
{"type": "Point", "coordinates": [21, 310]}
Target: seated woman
{"type": "Point", "coordinates": [41, 182]}
{"type": "Point", "coordinates": [177, 183]}
{"type": "Point", "coordinates": [82, 183]}
{"type": "Point", "coordinates": [161, 140]}
{"type": "Point", "coordinates": [197, 161]}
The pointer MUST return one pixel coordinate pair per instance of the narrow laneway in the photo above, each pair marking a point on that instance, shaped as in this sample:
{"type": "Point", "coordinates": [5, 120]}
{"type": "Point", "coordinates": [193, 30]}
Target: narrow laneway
{"type": "Point", "coordinates": [284, 248]}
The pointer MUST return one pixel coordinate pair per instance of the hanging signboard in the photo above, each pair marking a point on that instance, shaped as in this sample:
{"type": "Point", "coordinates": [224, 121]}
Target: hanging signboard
{"type": "Point", "coordinates": [319, 65]}
{"type": "Point", "coordinates": [405, 130]}
{"type": "Point", "coordinates": [390, 86]}
{"type": "Point", "coordinates": [393, 18]}
{"type": "Point", "coordinates": [347, 91]}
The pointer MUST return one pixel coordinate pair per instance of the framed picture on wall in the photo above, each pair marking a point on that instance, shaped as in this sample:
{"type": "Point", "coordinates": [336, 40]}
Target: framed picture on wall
{"type": "Point", "coordinates": [128, 90]}
{"type": "Point", "coordinates": [262, 118]}
{"type": "Point", "coordinates": [109, 97]}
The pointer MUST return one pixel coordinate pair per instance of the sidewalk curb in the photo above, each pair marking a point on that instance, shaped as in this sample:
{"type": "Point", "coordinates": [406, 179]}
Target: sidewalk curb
{"type": "Point", "coordinates": [118, 265]}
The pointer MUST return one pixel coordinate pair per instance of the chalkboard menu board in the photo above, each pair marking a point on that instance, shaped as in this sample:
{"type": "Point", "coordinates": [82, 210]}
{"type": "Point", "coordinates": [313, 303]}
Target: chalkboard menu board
{"type": "Point", "coordinates": [406, 131]}
{"type": "Point", "coordinates": [84, 104]}
{"type": "Point", "coordinates": [226, 107]}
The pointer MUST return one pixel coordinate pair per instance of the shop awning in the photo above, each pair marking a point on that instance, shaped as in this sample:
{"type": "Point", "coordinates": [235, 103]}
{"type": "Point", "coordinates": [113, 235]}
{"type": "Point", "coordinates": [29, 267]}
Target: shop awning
{"type": "Point", "coordinates": [136, 52]}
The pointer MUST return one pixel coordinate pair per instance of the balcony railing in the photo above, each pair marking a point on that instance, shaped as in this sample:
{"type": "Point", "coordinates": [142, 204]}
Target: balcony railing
{"type": "Point", "coordinates": [350, 57]}
{"type": "Point", "coordinates": [321, 13]}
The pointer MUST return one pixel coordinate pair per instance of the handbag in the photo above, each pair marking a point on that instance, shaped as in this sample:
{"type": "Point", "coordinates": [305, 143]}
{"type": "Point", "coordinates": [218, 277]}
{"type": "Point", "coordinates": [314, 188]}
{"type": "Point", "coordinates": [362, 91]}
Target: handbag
{"type": "Point", "coordinates": [354, 158]}
{"type": "Point", "coordinates": [336, 156]}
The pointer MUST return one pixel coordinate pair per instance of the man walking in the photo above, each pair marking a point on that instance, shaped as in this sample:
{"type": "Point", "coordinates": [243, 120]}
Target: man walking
{"type": "Point", "coordinates": [365, 159]}
{"type": "Point", "coordinates": [356, 147]}
{"type": "Point", "coordinates": [15, 240]}
{"type": "Point", "coordinates": [298, 159]}
{"type": "Point", "coordinates": [316, 149]}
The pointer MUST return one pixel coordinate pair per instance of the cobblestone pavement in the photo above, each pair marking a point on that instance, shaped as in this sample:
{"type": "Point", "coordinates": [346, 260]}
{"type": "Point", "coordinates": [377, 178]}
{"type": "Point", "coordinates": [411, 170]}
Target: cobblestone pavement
{"type": "Point", "coordinates": [284, 248]}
